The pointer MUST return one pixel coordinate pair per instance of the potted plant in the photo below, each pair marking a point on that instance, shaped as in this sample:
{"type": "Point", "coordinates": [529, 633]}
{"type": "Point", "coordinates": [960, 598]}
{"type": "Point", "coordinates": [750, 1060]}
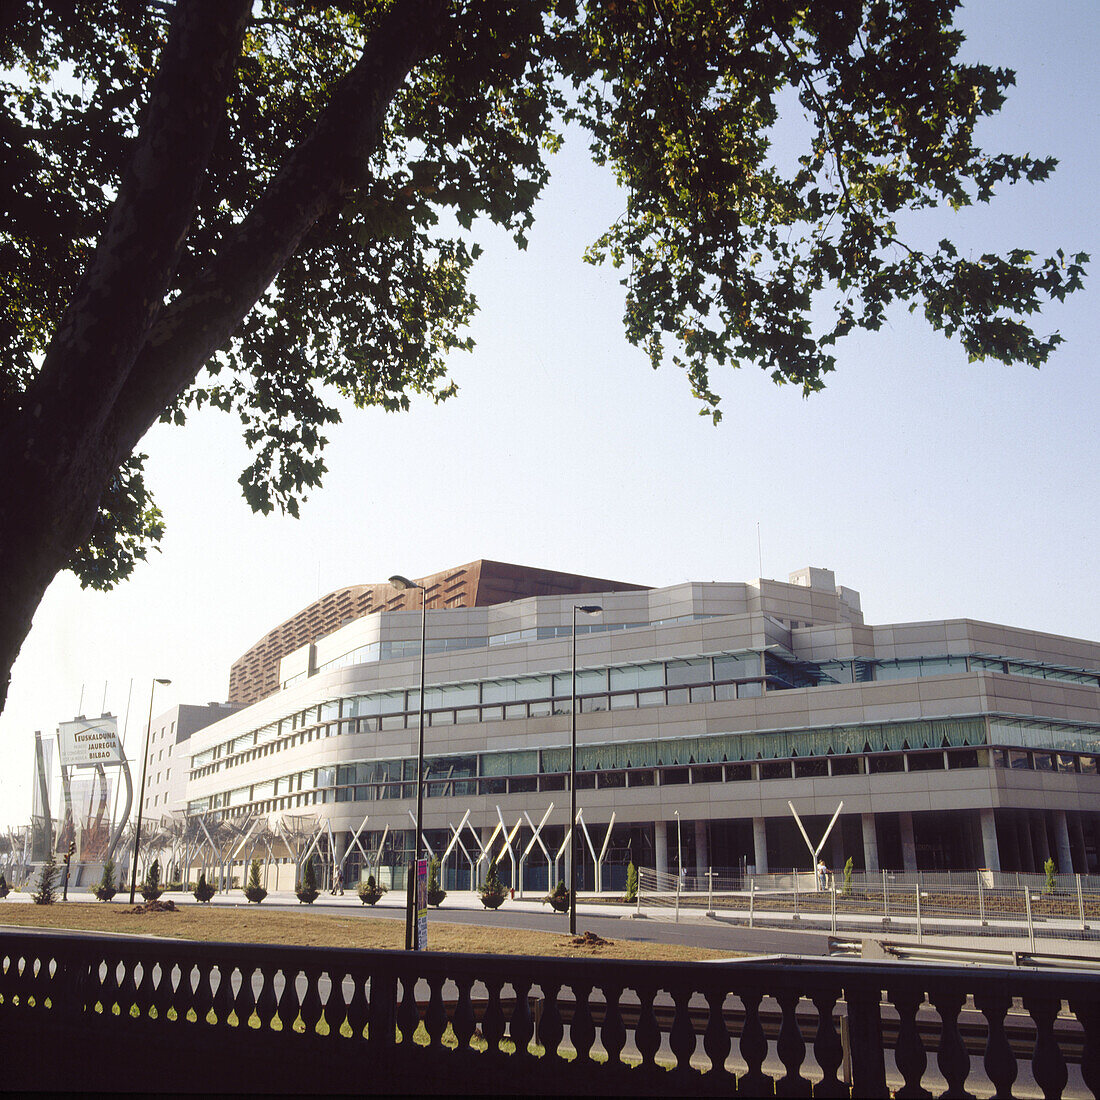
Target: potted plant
{"type": "Point", "coordinates": [254, 891]}
{"type": "Point", "coordinates": [848, 877]}
{"type": "Point", "coordinates": [203, 890]}
{"type": "Point", "coordinates": [106, 888]}
{"type": "Point", "coordinates": [370, 892]}
{"type": "Point", "coordinates": [492, 890]}
{"type": "Point", "coordinates": [307, 889]}
{"type": "Point", "coordinates": [436, 893]}
{"type": "Point", "coordinates": [559, 899]}
{"type": "Point", "coordinates": [5, 889]}
{"type": "Point", "coordinates": [150, 887]}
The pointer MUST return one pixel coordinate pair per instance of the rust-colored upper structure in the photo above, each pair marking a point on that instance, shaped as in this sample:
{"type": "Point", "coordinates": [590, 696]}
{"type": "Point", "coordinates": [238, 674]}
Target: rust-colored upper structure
{"type": "Point", "coordinates": [255, 674]}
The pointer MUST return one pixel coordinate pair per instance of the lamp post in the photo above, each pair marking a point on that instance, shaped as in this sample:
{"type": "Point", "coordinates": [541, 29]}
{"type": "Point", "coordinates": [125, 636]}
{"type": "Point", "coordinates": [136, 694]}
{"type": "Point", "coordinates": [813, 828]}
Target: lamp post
{"type": "Point", "coordinates": [411, 929]}
{"type": "Point", "coordinates": [588, 609]}
{"type": "Point", "coordinates": [679, 845]}
{"type": "Point", "coordinates": [141, 789]}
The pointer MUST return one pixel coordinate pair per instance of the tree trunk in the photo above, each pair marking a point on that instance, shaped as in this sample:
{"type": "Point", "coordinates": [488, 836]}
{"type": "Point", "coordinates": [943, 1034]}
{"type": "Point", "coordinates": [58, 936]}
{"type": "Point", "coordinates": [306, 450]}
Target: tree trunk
{"type": "Point", "coordinates": [119, 358]}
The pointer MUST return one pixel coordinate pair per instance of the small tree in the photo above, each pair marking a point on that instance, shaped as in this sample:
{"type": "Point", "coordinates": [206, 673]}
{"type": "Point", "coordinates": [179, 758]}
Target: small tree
{"type": "Point", "coordinates": [370, 892]}
{"type": "Point", "coordinates": [559, 899]}
{"type": "Point", "coordinates": [107, 888]}
{"type": "Point", "coordinates": [203, 890]}
{"type": "Point", "coordinates": [631, 883]}
{"type": "Point", "coordinates": [254, 891]}
{"type": "Point", "coordinates": [436, 893]}
{"type": "Point", "coordinates": [492, 889]}
{"type": "Point", "coordinates": [307, 889]}
{"type": "Point", "coordinates": [150, 887]}
{"type": "Point", "coordinates": [848, 876]}
{"type": "Point", "coordinates": [5, 889]}
{"type": "Point", "coordinates": [1049, 868]}
{"type": "Point", "coordinates": [46, 894]}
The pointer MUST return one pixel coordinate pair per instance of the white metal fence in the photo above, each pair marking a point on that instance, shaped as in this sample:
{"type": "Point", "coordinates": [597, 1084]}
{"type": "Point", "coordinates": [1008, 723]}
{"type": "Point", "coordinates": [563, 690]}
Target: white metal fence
{"type": "Point", "coordinates": [976, 903]}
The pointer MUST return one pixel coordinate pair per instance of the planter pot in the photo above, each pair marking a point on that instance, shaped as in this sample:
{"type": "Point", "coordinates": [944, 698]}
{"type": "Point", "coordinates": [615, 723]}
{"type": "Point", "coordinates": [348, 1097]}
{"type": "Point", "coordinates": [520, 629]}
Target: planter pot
{"type": "Point", "coordinates": [558, 903]}
{"type": "Point", "coordinates": [492, 901]}
{"type": "Point", "coordinates": [370, 898]}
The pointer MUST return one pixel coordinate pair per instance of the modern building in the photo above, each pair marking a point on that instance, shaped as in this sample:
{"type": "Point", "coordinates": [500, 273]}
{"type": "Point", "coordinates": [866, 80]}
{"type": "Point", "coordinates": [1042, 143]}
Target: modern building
{"type": "Point", "coordinates": [704, 709]}
{"type": "Point", "coordinates": [168, 769]}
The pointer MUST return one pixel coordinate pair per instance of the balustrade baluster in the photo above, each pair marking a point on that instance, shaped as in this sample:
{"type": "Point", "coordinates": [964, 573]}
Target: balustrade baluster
{"type": "Point", "coordinates": [382, 1021]}
{"type": "Point", "coordinates": [681, 1036]}
{"type": "Point", "coordinates": [106, 973]}
{"type": "Point", "coordinates": [647, 1035]}
{"type": "Point", "coordinates": [754, 1047]}
{"type": "Point", "coordinates": [865, 1035]}
{"type": "Point", "coordinates": [791, 1047]}
{"type": "Point", "coordinates": [267, 1003]}
{"type": "Point", "coordinates": [1048, 1067]}
{"type": "Point", "coordinates": [716, 1037]}
{"type": "Point", "coordinates": [613, 1028]}
{"type": "Point", "coordinates": [1000, 1062]}
{"type": "Point", "coordinates": [161, 995]}
{"type": "Point", "coordinates": [435, 1018]}
{"type": "Point", "coordinates": [244, 1002]}
{"type": "Point", "coordinates": [492, 1023]}
{"type": "Point", "coordinates": [312, 1009]}
{"type": "Point", "coordinates": [828, 1050]}
{"type": "Point", "coordinates": [551, 1030]}
{"type": "Point", "coordinates": [408, 1014]}
{"type": "Point", "coordinates": [521, 1027]}
{"type": "Point", "coordinates": [909, 1054]}
{"type": "Point", "coordinates": [464, 1022]}
{"type": "Point", "coordinates": [127, 992]}
{"type": "Point", "coordinates": [191, 984]}
{"type": "Point", "coordinates": [582, 1029]}
{"type": "Point", "coordinates": [1088, 1015]}
{"type": "Point", "coordinates": [223, 997]}
{"type": "Point", "coordinates": [952, 1058]}
{"type": "Point", "coordinates": [336, 1007]}
{"type": "Point", "coordinates": [358, 1008]}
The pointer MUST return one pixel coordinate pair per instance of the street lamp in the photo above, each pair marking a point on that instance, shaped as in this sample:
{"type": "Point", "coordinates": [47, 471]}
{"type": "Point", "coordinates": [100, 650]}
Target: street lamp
{"type": "Point", "coordinates": [588, 609]}
{"type": "Point", "coordinates": [141, 789]}
{"type": "Point", "coordinates": [411, 929]}
{"type": "Point", "coordinates": [679, 846]}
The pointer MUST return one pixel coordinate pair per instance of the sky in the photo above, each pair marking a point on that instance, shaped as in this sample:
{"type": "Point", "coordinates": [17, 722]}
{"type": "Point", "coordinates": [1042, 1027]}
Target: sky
{"type": "Point", "coordinates": [936, 487]}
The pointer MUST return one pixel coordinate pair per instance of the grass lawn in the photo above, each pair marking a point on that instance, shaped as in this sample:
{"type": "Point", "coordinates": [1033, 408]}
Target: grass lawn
{"type": "Point", "coordinates": [258, 925]}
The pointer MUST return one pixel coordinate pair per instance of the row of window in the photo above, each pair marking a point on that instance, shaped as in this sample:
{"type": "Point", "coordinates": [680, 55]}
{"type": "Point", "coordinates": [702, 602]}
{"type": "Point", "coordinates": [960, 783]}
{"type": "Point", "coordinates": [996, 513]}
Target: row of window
{"type": "Point", "coordinates": [702, 679]}
{"type": "Point", "coordinates": [392, 780]}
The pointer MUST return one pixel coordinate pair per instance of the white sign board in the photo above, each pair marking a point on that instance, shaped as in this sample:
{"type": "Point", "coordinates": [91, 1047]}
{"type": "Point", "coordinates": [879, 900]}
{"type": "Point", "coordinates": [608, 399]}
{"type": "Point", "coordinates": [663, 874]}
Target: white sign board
{"type": "Point", "coordinates": [89, 741]}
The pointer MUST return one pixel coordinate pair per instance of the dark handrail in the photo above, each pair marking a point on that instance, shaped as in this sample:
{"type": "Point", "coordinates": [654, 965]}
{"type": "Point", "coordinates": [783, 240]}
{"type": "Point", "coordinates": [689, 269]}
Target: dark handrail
{"type": "Point", "coordinates": [140, 1013]}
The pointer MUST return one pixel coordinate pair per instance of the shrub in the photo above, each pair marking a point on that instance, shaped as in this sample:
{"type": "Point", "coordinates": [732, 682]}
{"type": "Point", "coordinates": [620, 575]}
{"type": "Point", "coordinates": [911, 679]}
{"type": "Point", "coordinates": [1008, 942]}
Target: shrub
{"type": "Point", "coordinates": [254, 891]}
{"type": "Point", "coordinates": [5, 889]}
{"type": "Point", "coordinates": [848, 876]}
{"type": "Point", "coordinates": [46, 894]}
{"type": "Point", "coordinates": [559, 899]}
{"type": "Point", "coordinates": [106, 888]}
{"type": "Point", "coordinates": [631, 883]}
{"type": "Point", "coordinates": [203, 890]}
{"type": "Point", "coordinates": [307, 889]}
{"type": "Point", "coordinates": [436, 893]}
{"type": "Point", "coordinates": [492, 889]}
{"type": "Point", "coordinates": [1049, 868]}
{"type": "Point", "coordinates": [150, 887]}
{"type": "Point", "coordinates": [369, 891]}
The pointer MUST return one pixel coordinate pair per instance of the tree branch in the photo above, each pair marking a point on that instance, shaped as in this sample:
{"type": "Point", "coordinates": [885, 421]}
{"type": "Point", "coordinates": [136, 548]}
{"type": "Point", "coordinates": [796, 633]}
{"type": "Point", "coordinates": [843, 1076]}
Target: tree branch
{"type": "Point", "coordinates": [122, 291]}
{"type": "Point", "coordinates": [315, 179]}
